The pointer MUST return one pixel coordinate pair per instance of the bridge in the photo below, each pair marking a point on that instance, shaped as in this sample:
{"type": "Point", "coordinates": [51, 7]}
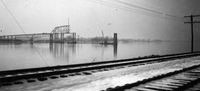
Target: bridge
{"type": "Point", "coordinates": [57, 35]}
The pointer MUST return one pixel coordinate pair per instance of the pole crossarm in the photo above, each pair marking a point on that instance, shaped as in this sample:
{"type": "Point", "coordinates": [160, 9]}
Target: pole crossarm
{"type": "Point", "coordinates": [193, 22]}
{"type": "Point", "coordinates": [192, 16]}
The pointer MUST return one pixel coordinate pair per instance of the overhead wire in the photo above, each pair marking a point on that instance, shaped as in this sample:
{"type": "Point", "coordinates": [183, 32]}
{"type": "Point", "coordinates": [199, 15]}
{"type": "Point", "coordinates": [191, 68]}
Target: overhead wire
{"type": "Point", "coordinates": [23, 31]}
{"type": "Point", "coordinates": [145, 11]}
{"type": "Point", "coordinates": [123, 8]}
{"type": "Point", "coordinates": [158, 7]}
{"type": "Point", "coordinates": [142, 8]}
{"type": "Point", "coordinates": [150, 10]}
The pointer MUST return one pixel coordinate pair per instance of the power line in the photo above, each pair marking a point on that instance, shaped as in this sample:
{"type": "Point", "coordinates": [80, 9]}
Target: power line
{"type": "Point", "coordinates": [142, 8]}
{"type": "Point", "coordinates": [23, 30]}
{"type": "Point", "coordinates": [119, 7]}
{"type": "Point", "coordinates": [175, 5]}
{"type": "Point", "coordinates": [124, 8]}
{"type": "Point", "coordinates": [148, 12]}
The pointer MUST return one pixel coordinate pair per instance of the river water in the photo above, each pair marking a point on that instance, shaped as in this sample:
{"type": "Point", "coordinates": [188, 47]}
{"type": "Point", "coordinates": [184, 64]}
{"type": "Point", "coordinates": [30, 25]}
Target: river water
{"type": "Point", "coordinates": [27, 55]}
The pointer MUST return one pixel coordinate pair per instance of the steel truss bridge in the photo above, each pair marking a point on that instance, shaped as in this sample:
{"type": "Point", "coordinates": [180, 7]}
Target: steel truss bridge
{"type": "Point", "coordinates": [57, 35]}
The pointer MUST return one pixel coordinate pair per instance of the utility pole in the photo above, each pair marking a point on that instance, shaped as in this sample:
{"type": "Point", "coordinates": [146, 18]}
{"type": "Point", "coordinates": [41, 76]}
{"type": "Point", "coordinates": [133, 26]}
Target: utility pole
{"type": "Point", "coordinates": [192, 33]}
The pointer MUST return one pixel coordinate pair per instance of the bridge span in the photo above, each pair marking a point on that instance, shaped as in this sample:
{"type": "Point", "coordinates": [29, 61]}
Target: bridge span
{"type": "Point", "coordinates": [59, 34]}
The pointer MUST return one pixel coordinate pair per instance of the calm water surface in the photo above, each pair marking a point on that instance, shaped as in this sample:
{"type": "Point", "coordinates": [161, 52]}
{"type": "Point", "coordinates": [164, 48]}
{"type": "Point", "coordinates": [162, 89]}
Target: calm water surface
{"type": "Point", "coordinates": [26, 55]}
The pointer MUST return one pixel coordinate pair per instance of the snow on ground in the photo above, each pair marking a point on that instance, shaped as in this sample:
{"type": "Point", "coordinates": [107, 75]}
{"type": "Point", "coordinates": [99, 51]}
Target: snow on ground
{"type": "Point", "coordinates": [103, 80]}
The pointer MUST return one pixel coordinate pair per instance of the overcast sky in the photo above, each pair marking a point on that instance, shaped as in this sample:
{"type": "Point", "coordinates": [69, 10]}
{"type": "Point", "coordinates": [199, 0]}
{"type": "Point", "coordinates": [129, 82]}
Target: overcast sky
{"type": "Point", "coordinates": [138, 19]}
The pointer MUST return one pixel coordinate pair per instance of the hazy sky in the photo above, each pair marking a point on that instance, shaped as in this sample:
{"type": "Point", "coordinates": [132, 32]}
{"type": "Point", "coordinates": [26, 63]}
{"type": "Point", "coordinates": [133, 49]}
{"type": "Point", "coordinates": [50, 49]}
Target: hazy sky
{"type": "Point", "coordinates": [144, 19]}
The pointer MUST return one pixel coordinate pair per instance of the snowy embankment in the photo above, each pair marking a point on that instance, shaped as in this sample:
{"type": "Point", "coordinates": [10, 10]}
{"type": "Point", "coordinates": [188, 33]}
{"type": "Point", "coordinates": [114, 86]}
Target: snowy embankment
{"type": "Point", "coordinates": [103, 80]}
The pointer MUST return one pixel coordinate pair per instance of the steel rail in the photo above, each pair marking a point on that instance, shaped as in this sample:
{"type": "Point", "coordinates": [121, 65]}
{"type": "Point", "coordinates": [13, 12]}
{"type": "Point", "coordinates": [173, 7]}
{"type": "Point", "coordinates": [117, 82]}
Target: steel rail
{"type": "Point", "coordinates": [102, 66]}
{"type": "Point", "coordinates": [179, 80]}
{"type": "Point", "coordinates": [52, 68]}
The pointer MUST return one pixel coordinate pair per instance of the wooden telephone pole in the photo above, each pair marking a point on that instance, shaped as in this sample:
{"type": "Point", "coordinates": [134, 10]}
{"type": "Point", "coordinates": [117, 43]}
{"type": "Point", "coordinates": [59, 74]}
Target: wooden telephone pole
{"type": "Point", "coordinates": [192, 33]}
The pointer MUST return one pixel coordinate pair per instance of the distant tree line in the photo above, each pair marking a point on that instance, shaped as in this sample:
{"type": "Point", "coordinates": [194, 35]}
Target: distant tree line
{"type": "Point", "coordinates": [139, 40]}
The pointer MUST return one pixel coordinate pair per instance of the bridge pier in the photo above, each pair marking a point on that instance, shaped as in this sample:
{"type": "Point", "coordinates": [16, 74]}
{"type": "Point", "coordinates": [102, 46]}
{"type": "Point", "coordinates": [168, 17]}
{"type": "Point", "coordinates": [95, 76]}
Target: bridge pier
{"type": "Point", "coordinates": [62, 36]}
{"type": "Point", "coordinates": [57, 37]}
{"type": "Point", "coordinates": [3, 37]}
{"type": "Point", "coordinates": [51, 38]}
{"type": "Point", "coordinates": [74, 37]}
{"type": "Point", "coordinates": [31, 40]}
{"type": "Point", "coordinates": [11, 37]}
{"type": "Point", "coordinates": [15, 38]}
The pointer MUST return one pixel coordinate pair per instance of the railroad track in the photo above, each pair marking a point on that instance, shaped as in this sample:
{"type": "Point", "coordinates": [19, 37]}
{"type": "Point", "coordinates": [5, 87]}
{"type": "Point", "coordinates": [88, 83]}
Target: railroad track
{"type": "Point", "coordinates": [181, 80]}
{"type": "Point", "coordinates": [13, 77]}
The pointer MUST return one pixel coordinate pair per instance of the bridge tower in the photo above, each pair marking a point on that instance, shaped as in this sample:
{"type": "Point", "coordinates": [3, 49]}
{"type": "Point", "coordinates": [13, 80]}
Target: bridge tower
{"type": "Point", "coordinates": [57, 35]}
